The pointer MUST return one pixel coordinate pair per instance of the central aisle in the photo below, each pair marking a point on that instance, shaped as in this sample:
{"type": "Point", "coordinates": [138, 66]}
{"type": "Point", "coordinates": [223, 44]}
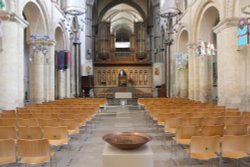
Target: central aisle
{"type": "Point", "coordinates": [86, 150]}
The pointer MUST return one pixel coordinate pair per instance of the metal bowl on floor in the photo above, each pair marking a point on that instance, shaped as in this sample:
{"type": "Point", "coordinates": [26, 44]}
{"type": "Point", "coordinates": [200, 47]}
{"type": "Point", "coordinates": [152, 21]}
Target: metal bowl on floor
{"type": "Point", "coordinates": [127, 140]}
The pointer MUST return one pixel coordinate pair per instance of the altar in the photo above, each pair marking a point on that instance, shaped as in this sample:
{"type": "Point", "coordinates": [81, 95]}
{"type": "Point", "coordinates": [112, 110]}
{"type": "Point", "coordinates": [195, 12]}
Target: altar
{"type": "Point", "coordinates": [114, 157]}
{"type": "Point", "coordinates": [123, 96]}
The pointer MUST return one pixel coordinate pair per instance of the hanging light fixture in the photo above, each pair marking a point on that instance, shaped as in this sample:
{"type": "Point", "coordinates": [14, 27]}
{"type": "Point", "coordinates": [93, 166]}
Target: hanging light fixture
{"type": "Point", "coordinates": [168, 10]}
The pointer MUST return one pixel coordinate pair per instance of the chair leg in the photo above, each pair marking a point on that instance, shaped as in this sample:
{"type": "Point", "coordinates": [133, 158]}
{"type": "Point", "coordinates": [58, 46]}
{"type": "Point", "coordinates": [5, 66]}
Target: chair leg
{"type": "Point", "coordinates": [189, 161]}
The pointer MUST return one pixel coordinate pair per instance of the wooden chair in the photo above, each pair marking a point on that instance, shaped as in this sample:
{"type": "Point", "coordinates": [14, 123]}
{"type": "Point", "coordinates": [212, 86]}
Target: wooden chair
{"type": "Point", "coordinates": [72, 125]}
{"type": "Point", "coordinates": [184, 134]}
{"type": "Point", "coordinates": [7, 151]}
{"type": "Point", "coordinates": [30, 133]}
{"type": "Point", "coordinates": [27, 122]}
{"type": "Point", "coordinates": [8, 132]}
{"type": "Point", "coordinates": [34, 151]}
{"type": "Point", "coordinates": [204, 148]}
{"type": "Point", "coordinates": [234, 147]}
{"type": "Point", "coordinates": [236, 129]}
{"type": "Point", "coordinates": [57, 136]}
{"type": "Point", "coordinates": [212, 130]}
{"type": "Point", "coordinates": [171, 125]}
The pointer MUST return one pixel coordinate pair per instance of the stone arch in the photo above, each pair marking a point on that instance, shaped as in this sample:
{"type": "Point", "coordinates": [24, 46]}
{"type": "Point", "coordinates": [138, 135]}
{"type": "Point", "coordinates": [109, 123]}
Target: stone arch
{"type": "Point", "coordinates": [35, 13]}
{"type": "Point", "coordinates": [182, 70]}
{"type": "Point", "coordinates": [206, 66]}
{"type": "Point", "coordinates": [204, 6]}
{"type": "Point", "coordinates": [117, 2]}
{"type": "Point", "coordinates": [36, 69]}
{"type": "Point", "coordinates": [60, 75]}
{"type": "Point", "coordinates": [60, 38]}
{"type": "Point", "coordinates": [183, 38]}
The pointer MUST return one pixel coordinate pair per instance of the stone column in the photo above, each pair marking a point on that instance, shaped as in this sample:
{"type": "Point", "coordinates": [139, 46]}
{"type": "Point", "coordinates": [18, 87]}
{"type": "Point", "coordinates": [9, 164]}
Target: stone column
{"type": "Point", "coordinates": [37, 74]}
{"type": "Point", "coordinates": [196, 75]}
{"type": "Point", "coordinates": [51, 60]}
{"type": "Point", "coordinates": [62, 83]}
{"type": "Point", "coordinates": [12, 62]}
{"type": "Point", "coordinates": [191, 57]}
{"type": "Point", "coordinates": [232, 63]}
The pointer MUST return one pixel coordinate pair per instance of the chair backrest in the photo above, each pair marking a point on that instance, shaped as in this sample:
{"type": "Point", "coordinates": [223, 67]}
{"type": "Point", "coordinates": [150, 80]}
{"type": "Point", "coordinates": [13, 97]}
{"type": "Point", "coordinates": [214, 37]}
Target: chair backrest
{"type": "Point", "coordinates": [186, 132]}
{"type": "Point", "coordinates": [171, 122]}
{"type": "Point", "coordinates": [71, 124]}
{"type": "Point", "coordinates": [7, 151]}
{"type": "Point", "coordinates": [236, 129]}
{"type": "Point", "coordinates": [205, 144]}
{"type": "Point", "coordinates": [8, 111]}
{"type": "Point", "coordinates": [246, 120]}
{"type": "Point", "coordinates": [34, 148]}
{"type": "Point", "coordinates": [30, 133]}
{"type": "Point", "coordinates": [212, 130]}
{"type": "Point", "coordinates": [231, 144]}
{"type": "Point", "coordinates": [56, 133]}
{"type": "Point", "coordinates": [24, 116]}
{"type": "Point", "coordinates": [8, 122]}
{"type": "Point", "coordinates": [48, 122]}
{"type": "Point", "coordinates": [248, 144]}
{"type": "Point", "coordinates": [232, 113]}
{"type": "Point", "coordinates": [233, 120]}
{"type": "Point", "coordinates": [8, 115]}
{"type": "Point", "coordinates": [27, 122]}
{"type": "Point", "coordinates": [8, 132]}
{"type": "Point", "coordinates": [190, 121]}
{"type": "Point", "coordinates": [208, 121]}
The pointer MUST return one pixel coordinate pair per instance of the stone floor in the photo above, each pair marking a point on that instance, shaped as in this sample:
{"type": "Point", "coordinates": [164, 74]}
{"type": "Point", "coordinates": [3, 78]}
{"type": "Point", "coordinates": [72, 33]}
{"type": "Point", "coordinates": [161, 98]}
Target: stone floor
{"type": "Point", "coordinates": [85, 150]}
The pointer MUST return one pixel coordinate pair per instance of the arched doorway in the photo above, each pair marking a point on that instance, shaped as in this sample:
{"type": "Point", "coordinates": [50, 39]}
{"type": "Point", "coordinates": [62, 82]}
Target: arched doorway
{"type": "Point", "coordinates": [208, 61]}
{"type": "Point", "coordinates": [34, 58]}
{"type": "Point", "coordinates": [182, 65]}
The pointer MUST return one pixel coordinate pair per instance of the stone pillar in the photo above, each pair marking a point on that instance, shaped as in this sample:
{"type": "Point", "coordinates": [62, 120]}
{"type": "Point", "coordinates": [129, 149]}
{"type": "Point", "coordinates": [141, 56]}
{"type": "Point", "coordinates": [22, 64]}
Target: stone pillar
{"type": "Point", "coordinates": [51, 59]}
{"type": "Point", "coordinates": [37, 76]}
{"type": "Point", "coordinates": [62, 83]}
{"type": "Point", "coordinates": [191, 57]}
{"type": "Point", "coordinates": [12, 62]}
{"type": "Point", "coordinates": [232, 63]}
{"type": "Point", "coordinates": [196, 79]}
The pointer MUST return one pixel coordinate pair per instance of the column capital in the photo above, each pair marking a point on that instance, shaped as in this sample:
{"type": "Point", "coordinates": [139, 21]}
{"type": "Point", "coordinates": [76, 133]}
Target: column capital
{"type": "Point", "coordinates": [192, 45]}
{"type": "Point", "coordinates": [50, 42]}
{"type": "Point", "coordinates": [5, 15]}
{"type": "Point", "coordinates": [226, 23]}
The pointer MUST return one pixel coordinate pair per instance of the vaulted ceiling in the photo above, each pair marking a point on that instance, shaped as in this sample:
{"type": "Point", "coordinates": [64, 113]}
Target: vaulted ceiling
{"type": "Point", "coordinates": [122, 16]}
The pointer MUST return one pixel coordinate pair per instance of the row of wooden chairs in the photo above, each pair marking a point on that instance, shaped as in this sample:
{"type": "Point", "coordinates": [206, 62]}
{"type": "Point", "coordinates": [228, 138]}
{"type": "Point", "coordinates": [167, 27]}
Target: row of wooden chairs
{"type": "Point", "coordinates": [211, 147]}
{"type": "Point", "coordinates": [57, 135]}
{"type": "Point", "coordinates": [30, 131]}
{"type": "Point", "coordinates": [25, 151]}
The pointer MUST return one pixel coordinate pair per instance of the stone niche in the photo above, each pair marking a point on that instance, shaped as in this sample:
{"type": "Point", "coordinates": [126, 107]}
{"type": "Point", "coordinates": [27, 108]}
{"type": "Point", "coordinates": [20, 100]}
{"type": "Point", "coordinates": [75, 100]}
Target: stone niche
{"type": "Point", "coordinates": [133, 78]}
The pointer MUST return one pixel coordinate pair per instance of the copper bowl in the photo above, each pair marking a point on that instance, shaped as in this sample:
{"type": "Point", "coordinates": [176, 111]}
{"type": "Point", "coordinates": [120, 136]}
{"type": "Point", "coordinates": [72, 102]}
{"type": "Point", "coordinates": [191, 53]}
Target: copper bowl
{"type": "Point", "coordinates": [127, 140]}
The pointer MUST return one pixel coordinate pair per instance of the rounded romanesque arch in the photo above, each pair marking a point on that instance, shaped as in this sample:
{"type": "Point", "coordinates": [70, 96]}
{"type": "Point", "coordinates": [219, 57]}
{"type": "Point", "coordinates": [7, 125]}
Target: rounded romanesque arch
{"type": "Point", "coordinates": [117, 2]}
{"type": "Point", "coordinates": [36, 51]}
{"type": "Point", "coordinates": [183, 40]}
{"type": "Point", "coordinates": [199, 16]}
{"type": "Point", "coordinates": [35, 15]}
{"type": "Point", "coordinates": [182, 64]}
{"type": "Point", "coordinates": [206, 63]}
